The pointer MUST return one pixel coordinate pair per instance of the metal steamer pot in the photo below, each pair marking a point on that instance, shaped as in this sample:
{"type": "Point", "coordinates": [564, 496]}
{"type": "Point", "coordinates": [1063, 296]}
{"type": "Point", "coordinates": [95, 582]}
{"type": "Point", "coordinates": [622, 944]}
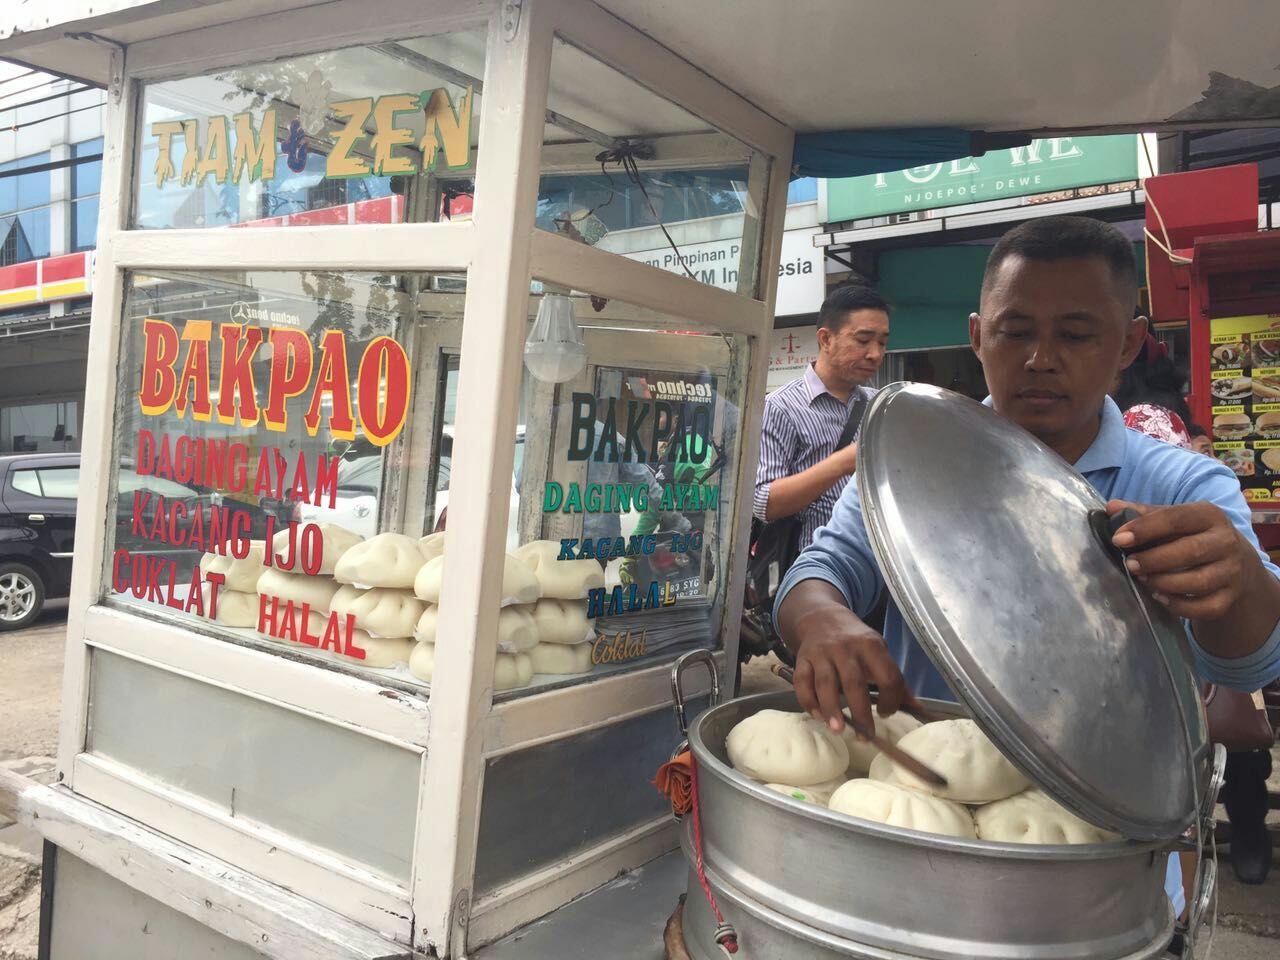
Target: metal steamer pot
{"type": "Point", "coordinates": [1076, 676]}
{"type": "Point", "coordinates": [801, 882]}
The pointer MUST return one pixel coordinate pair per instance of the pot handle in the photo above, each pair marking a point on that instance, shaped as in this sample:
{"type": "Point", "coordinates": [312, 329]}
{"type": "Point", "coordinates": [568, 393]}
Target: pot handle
{"type": "Point", "coordinates": [678, 669]}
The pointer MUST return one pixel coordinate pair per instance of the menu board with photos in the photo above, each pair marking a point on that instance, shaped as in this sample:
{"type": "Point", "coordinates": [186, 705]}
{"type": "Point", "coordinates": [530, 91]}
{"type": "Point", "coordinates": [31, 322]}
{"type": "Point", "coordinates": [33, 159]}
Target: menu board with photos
{"type": "Point", "coordinates": [1245, 393]}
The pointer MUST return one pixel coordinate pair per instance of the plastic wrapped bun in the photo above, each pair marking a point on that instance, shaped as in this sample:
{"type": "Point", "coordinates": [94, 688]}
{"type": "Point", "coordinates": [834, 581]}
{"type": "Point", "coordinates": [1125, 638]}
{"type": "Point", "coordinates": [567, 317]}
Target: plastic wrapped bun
{"type": "Point", "coordinates": [519, 585]}
{"type": "Point", "coordinates": [242, 574]}
{"type": "Point", "coordinates": [383, 612]}
{"type": "Point", "coordinates": [316, 592]}
{"type": "Point", "coordinates": [561, 658]}
{"type": "Point", "coordinates": [379, 652]}
{"type": "Point", "coordinates": [899, 807]}
{"type": "Point", "coordinates": [975, 770]}
{"type": "Point", "coordinates": [235, 609]}
{"type": "Point", "coordinates": [432, 545]}
{"type": "Point", "coordinates": [1035, 817]}
{"type": "Point", "coordinates": [561, 621]}
{"type": "Point", "coordinates": [773, 746]}
{"type": "Point", "coordinates": [510, 670]}
{"type": "Point", "coordinates": [562, 579]}
{"type": "Point", "coordinates": [516, 630]}
{"type": "Point", "coordinates": [387, 560]}
{"type": "Point", "coordinates": [425, 629]}
{"type": "Point", "coordinates": [335, 541]}
{"type": "Point", "coordinates": [892, 728]}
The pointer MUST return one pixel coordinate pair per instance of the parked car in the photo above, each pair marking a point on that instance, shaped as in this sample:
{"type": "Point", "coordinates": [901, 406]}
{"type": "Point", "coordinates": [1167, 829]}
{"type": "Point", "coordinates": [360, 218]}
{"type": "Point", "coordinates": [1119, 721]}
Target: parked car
{"type": "Point", "coordinates": [38, 517]}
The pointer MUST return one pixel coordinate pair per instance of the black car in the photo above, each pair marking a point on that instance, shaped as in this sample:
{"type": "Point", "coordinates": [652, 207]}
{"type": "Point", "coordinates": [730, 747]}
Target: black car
{"type": "Point", "coordinates": [37, 532]}
{"type": "Point", "coordinates": [38, 519]}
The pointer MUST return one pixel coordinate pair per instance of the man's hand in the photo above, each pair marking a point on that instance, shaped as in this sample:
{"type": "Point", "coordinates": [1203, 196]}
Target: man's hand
{"type": "Point", "coordinates": [837, 654]}
{"type": "Point", "coordinates": [1190, 556]}
{"type": "Point", "coordinates": [1195, 562]}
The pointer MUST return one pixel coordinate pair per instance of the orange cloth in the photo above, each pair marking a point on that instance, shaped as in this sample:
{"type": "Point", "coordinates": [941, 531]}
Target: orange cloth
{"type": "Point", "coordinates": [675, 780]}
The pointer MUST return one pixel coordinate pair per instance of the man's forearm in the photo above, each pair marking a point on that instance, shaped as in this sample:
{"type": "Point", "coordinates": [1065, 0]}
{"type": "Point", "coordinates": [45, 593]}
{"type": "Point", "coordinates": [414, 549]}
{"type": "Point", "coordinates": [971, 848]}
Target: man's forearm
{"type": "Point", "coordinates": [1247, 625]}
{"type": "Point", "coordinates": [804, 599]}
{"type": "Point", "coordinates": [789, 495]}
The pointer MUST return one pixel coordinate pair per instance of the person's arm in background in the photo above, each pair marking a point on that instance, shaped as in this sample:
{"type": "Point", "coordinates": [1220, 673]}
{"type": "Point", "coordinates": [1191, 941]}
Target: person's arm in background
{"type": "Point", "coordinates": [1200, 558]}
{"type": "Point", "coordinates": [780, 493]}
{"type": "Point", "coordinates": [817, 613]}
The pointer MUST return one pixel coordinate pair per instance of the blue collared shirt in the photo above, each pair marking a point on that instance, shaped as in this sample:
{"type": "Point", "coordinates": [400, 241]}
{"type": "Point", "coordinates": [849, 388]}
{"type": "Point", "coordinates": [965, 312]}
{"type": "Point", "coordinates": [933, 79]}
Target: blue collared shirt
{"type": "Point", "coordinates": [1121, 464]}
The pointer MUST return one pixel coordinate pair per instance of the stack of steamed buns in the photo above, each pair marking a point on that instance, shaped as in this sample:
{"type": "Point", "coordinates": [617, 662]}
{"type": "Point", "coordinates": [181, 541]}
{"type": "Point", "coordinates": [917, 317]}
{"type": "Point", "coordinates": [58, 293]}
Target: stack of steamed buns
{"type": "Point", "coordinates": [986, 797]}
{"type": "Point", "coordinates": [389, 585]}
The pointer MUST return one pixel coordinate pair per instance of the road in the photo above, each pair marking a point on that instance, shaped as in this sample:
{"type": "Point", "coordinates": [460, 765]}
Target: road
{"type": "Point", "coordinates": [30, 690]}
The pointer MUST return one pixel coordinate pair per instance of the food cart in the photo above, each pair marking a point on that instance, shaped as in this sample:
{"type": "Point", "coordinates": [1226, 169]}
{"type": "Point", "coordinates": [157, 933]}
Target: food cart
{"type": "Point", "coordinates": [355, 286]}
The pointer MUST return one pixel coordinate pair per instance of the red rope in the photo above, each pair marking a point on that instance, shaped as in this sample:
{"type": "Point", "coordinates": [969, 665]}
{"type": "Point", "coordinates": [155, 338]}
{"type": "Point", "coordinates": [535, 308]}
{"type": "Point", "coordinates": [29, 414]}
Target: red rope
{"type": "Point", "coordinates": [726, 936]}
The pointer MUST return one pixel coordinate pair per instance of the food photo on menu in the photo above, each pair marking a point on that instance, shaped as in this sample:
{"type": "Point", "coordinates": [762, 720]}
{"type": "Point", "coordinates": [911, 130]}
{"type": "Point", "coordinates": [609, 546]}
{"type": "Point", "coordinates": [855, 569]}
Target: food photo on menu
{"type": "Point", "coordinates": [1269, 461]}
{"type": "Point", "coordinates": [1267, 425]}
{"type": "Point", "coordinates": [1233, 388]}
{"type": "Point", "coordinates": [1266, 351]}
{"type": "Point", "coordinates": [1240, 460]}
{"type": "Point", "coordinates": [1232, 426]}
{"type": "Point", "coordinates": [1266, 385]}
{"type": "Point", "coordinates": [1228, 356]}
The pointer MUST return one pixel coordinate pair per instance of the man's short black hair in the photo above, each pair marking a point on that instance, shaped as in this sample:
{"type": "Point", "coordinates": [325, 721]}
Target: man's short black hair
{"type": "Point", "coordinates": [846, 299]}
{"type": "Point", "coordinates": [1067, 238]}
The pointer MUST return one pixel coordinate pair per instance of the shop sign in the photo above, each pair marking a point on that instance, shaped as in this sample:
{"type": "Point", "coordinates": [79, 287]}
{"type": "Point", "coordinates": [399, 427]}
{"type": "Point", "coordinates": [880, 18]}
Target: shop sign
{"type": "Point", "coordinates": [619, 647]}
{"type": "Point", "coordinates": [792, 349]}
{"type": "Point", "coordinates": [801, 283]}
{"type": "Point", "coordinates": [1245, 390]}
{"type": "Point", "coordinates": [365, 135]}
{"type": "Point", "coordinates": [1042, 166]}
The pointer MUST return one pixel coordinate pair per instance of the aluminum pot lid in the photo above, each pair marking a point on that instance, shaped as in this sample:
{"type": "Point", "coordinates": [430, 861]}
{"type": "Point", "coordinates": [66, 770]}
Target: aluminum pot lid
{"type": "Point", "coordinates": [992, 547]}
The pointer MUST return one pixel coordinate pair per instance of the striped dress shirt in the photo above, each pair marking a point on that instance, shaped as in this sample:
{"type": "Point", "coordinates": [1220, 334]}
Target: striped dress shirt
{"type": "Point", "coordinates": [802, 424]}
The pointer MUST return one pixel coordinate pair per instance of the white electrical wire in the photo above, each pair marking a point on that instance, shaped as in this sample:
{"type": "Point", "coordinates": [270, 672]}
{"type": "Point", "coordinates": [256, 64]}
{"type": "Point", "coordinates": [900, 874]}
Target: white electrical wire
{"type": "Point", "coordinates": [1166, 246]}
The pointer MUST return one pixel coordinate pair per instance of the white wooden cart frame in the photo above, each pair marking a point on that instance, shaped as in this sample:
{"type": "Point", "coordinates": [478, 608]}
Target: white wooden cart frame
{"type": "Point", "coordinates": [461, 726]}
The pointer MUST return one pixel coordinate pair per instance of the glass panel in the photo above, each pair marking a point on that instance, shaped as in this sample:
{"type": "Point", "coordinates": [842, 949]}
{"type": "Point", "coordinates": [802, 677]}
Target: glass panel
{"type": "Point", "coordinates": [39, 427]}
{"type": "Point", "coordinates": [86, 178]}
{"type": "Point", "coordinates": [625, 472]}
{"type": "Point", "coordinates": [358, 135]}
{"type": "Point", "coordinates": [252, 759]}
{"type": "Point", "coordinates": [61, 484]}
{"type": "Point", "coordinates": [630, 172]}
{"type": "Point", "coordinates": [278, 407]}
{"type": "Point", "coordinates": [84, 224]}
{"type": "Point", "coordinates": [25, 190]}
{"type": "Point", "coordinates": [25, 481]}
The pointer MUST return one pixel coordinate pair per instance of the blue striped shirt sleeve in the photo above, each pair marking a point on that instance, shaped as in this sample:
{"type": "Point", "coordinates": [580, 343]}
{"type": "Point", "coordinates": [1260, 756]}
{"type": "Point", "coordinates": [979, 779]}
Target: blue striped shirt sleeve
{"type": "Point", "coordinates": [777, 450]}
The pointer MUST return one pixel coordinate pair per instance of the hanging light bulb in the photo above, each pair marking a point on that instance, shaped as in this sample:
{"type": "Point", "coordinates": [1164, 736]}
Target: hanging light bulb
{"type": "Point", "coordinates": [554, 351]}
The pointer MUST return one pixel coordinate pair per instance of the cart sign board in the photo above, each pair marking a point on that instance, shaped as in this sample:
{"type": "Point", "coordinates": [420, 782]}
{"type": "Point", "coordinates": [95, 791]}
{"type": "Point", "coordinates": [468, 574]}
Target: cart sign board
{"type": "Point", "coordinates": [1055, 163]}
{"type": "Point", "coordinates": [1244, 364]}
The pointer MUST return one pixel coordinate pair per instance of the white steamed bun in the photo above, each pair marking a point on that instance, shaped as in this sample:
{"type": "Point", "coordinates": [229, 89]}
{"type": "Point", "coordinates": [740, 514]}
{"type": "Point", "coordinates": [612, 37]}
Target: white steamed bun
{"type": "Point", "coordinates": [432, 545]}
{"type": "Point", "coordinates": [510, 670]}
{"type": "Point", "coordinates": [892, 728]}
{"type": "Point", "coordinates": [334, 542]}
{"type": "Point", "coordinates": [976, 771]}
{"type": "Point", "coordinates": [900, 807]}
{"type": "Point", "coordinates": [561, 621]}
{"type": "Point", "coordinates": [773, 746]}
{"type": "Point", "coordinates": [235, 608]}
{"type": "Point", "coordinates": [315, 591]}
{"type": "Point", "coordinates": [1035, 817]}
{"type": "Point", "coordinates": [382, 612]}
{"type": "Point", "coordinates": [242, 574]}
{"type": "Point", "coordinates": [424, 630]}
{"type": "Point", "coordinates": [516, 630]}
{"type": "Point", "coordinates": [563, 579]}
{"type": "Point", "coordinates": [519, 585]}
{"type": "Point", "coordinates": [379, 652]}
{"type": "Point", "coordinates": [819, 793]}
{"type": "Point", "coordinates": [387, 560]}
{"type": "Point", "coordinates": [561, 658]}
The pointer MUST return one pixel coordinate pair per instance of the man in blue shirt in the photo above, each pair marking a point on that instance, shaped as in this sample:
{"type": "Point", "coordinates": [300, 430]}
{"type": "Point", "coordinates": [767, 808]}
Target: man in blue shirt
{"type": "Point", "coordinates": [1054, 329]}
{"type": "Point", "coordinates": [1056, 326]}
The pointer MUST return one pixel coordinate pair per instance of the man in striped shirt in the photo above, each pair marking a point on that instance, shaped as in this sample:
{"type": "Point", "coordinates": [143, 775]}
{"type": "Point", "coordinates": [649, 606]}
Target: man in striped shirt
{"type": "Point", "coordinates": [801, 470]}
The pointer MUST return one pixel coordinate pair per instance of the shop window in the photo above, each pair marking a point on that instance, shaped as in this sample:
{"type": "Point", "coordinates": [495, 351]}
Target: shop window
{"type": "Point", "coordinates": [622, 497]}
{"type": "Point", "coordinates": [263, 434]}
{"type": "Point", "coordinates": [359, 135]}
{"type": "Point", "coordinates": [86, 181]}
{"type": "Point", "coordinates": [42, 427]}
{"type": "Point", "coordinates": [627, 171]}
